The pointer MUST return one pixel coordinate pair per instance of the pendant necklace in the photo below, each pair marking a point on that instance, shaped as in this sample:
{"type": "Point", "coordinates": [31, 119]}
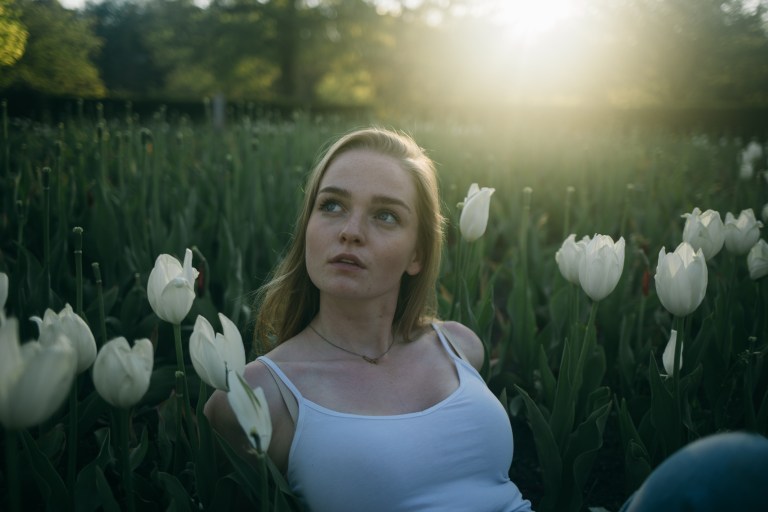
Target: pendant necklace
{"type": "Point", "coordinates": [371, 360]}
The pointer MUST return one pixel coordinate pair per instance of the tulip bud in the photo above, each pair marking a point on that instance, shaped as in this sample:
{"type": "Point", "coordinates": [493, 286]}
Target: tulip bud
{"type": "Point", "coordinates": [68, 324]}
{"type": "Point", "coordinates": [569, 255]}
{"type": "Point", "coordinates": [171, 287]}
{"type": "Point", "coordinates": [757, 260]}
{"type": "Point", "coordinates": [668, 357]}
{"type": "Point", "coordinates": [121, 374]}
{"type": "Point", "coordinates": [474, 213]}
{"type": "Point", "coordinates": [214, 354]}
{"type": "Point", "coordinates": [35, 378]}
{"type": "Point", "coordinates": [704, 231]}
{"type": "Point", "coordinates": [601, 266]}
{"type": "Point", "coordinates": [251, 409]}
{"type": "Point", "coordinates": [741, 233]}
{"type": "Point", "coordinates": [681, 279]}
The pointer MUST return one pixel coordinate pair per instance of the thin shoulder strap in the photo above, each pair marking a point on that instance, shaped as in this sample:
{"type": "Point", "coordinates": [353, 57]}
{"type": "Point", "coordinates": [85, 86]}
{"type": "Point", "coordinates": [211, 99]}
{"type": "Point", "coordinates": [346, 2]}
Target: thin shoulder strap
{"type": "Point", "coordinates": [451, 342]}
{"type": "Point", "coordinates": [288, 396]}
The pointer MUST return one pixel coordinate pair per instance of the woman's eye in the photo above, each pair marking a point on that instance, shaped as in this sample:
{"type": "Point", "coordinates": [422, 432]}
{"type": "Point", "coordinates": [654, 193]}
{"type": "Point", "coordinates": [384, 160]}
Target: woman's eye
{"type": "Point", "coordinates": [330, 206]}
{"type": "Point", "coordinates": [387, 217]}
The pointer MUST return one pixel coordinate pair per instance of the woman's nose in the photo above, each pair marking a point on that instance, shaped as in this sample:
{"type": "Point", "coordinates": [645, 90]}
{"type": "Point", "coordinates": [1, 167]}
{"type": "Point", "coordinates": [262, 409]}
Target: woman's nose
{"type": "Point", "coordinates": [353, 230]}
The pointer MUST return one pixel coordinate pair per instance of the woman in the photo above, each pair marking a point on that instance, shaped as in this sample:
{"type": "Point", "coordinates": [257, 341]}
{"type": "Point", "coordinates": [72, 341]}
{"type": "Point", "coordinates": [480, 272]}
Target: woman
{"type": "Point", "coordinates": [374, 405]}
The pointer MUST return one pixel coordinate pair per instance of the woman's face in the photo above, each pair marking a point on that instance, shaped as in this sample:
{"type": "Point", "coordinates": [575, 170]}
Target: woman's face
{"type": "Point", "coordinates": [363, 229]}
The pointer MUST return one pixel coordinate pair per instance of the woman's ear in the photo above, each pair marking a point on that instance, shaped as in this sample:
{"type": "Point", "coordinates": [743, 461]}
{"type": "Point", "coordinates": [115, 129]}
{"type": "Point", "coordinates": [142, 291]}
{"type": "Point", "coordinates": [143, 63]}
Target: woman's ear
{"type": "Point", "coordinates": [414, 267]}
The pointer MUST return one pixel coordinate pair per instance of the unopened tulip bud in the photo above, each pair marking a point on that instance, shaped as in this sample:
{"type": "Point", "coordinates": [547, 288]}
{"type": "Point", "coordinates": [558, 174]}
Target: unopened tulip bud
{"type": "Point", "coordinates": [121, 373]}
{"type": "Point", "coordinates": [474, 213]}
{"type": "Point", "coordinates": [171, 287]}
{"type": "Point", "coordinates": [681, 279]}
{"type": "Point", "coordinates": [757, 260]}
{"type": "Point", "coordinates": [601, 266]}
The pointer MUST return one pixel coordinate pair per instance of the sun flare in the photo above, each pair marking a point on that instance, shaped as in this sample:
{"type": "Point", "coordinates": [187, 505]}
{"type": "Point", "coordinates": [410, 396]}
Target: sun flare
{"type": "Point", "coordinates": [532, 19]}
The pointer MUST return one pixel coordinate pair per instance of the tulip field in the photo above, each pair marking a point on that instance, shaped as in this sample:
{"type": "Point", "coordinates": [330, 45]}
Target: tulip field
{"type": "Point", "coordinates": [618, 282]}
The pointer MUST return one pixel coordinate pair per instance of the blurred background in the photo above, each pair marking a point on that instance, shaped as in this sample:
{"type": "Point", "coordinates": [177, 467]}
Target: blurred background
{"type": "Point", "coordinates": [696, 62]}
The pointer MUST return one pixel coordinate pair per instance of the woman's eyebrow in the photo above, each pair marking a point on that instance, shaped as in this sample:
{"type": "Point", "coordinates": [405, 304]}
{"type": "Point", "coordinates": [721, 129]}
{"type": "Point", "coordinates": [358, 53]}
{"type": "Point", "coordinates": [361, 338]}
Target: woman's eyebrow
{"type": "Point", "coordinates": [378, 199]}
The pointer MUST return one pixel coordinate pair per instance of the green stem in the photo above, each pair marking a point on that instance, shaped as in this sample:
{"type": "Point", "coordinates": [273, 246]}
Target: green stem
{"type": "Point", "coordinates": [72, 442]}
{"type": "Point", "coordinates": [125, 462]}
{"type": "Point", "coordinates": [47, 227]}
{"type": "Point", "coordinates": [182, 390]}
{"type": "Point", "coordinates": [12, 470]}
{"type": "Point", "coordinates": [680, 327]}
{"type": "Point", "coordinates": [100, 300]}
{"type": "Point", "coordinates": [78, 231]}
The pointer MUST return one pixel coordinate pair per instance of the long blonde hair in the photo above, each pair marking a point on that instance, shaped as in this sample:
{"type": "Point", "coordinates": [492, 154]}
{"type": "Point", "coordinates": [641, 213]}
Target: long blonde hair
{"type": "Point", "coordinates": [289, 300]}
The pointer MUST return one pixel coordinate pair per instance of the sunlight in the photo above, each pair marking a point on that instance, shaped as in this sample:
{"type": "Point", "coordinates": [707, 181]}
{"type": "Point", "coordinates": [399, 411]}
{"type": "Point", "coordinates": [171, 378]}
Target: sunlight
{"type": "Point", "coordinates": [531, 19]}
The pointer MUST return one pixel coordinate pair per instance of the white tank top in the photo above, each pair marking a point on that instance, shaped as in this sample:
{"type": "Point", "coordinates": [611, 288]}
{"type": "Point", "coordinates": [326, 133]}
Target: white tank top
{"type": "Point", "coordinates": [453, 456]}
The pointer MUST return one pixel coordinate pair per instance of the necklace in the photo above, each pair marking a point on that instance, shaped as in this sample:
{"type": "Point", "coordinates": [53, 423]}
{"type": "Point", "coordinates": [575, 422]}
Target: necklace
{"type": "Point", "coordinates": [371, 360]}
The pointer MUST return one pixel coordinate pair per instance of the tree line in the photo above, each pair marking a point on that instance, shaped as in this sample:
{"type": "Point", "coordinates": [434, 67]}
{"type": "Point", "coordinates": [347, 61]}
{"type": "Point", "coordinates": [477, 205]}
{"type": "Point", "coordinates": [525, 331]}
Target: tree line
{"type": "Point", "coordinates": [352, 52]}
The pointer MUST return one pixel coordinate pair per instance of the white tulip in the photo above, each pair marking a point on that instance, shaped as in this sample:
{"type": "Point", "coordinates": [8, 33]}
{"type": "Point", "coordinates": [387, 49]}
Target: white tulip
{"type": "Point", "coordinates": [3, 293]}
{"type": "Point", "coordinates": [35, 378]}
{"type": "Point", "coordinates": [474, 213]}
{"type": "Point", "coordinates": [757, 260]}
{"type": "Point", "coordinates": [171, 287]}
{"type": "Point", "coordinates": [704, 231]}
{"type": "Point", "coordinates": [601, 266]}
{"type": "Point", "coordinates": [569, 256]}
{"type": "Point", "coordinates": [251, 409]}
{"type": "Point", "coordinates": [68, 324]}
{"type": "Point", "coordinates": [121, 374]}
{"type": "Point", "coordinates": [668, 357]}
{"type": "Point", "coordinates": [681, 279]}
{"type": "Point", "coordinates": [214, 354]}
{"type": "Point", "coordinates": [741, 233]}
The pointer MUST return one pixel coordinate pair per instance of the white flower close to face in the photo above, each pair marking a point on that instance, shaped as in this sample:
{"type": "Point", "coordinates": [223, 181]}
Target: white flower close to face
{"type": "Point", "coordinates": [171, 287]}
{"type": "Point", "coordinates": [68, 324]}
{"type": "Point", "coordinates": [757, 260]}
{"type": "Point", "coordinates": [3, 293]}
{"type": "Point", "coordinates": [569, 256]}
{"type": "Point", "coordinates": [681, 279]}
{"type": "Point", "coordinates": [251, 409]}
{"type": "Point", "coordinates": [668, 357]}
{"type": "Point", "coordinates": [704, 231]}
{"type": "Point", "coordinates": [741, 232]}
{"type": "Point", "coordinates": [474, 213]}
{"type": "Point", "coordinates": [121, 373]}
{"type": "Point", "coordinates": [601, 266]}
{"type": "Point", "coordinates": [214, 354]}
{"type": "Point", "coordinates": [35, 378]}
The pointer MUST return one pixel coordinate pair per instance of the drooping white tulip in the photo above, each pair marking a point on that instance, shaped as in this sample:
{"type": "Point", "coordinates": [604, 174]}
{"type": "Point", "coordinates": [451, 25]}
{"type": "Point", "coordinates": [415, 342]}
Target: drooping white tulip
{"type": "Point", "coordinates": [68, 324]}
{"type": "Point", "coordinates": [474, 213]}
{"type": "Point", "coordinates": [757, 260]}
{"type": "Point", "coordinates": [681, 279]}
{"type": "Point", "coordinates": [121, 373]}
{"type": "Point", "coordinates": [214, 354]}
{"type": "Point", "coordinates": [601, 266]}
{"type": "Point", "coordinates": [171, 287]}
{"type": "Point", "coordinates": [251, 409]}
{"type": "Point", "coordinates": [668, 357]}
{"type": "Point", "coordinates": [704, 231]}
{"type": "Point", "coordinates": [35, 378]}
{"type": "Point", "coordinates": [741, 232]}
{"type": "Point", "coordinates": [569, 256]}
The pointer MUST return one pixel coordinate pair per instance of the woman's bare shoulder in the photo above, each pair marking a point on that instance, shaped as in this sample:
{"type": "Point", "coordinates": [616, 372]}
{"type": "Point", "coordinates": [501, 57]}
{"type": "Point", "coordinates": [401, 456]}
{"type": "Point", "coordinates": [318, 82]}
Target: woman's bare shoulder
{"type": "Point", "coordinates": [467, 341]}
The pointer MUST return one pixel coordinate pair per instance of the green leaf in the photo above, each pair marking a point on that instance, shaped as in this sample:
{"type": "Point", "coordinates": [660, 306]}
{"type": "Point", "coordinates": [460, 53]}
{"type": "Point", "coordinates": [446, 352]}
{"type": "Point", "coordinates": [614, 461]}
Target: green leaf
{"type": "Point", "coordinates": [48, 480]}
{"type": "Point", "coordinates": [177, 494]}
{"type": "Point", "coordinates": [137, 453]}
{"type": "Point", "coordinates": [663, 411]}
{"type": "Point", "coordinates": [92, 491]}
{"type": "Point", "coordinates": [549, 455]}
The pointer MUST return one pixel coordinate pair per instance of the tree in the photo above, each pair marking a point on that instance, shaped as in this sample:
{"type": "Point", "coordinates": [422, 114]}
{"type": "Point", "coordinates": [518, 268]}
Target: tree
{"type": "Point", "coordinates": [58, 56]}
{"type": "Point", "coordinates": [13, 34]}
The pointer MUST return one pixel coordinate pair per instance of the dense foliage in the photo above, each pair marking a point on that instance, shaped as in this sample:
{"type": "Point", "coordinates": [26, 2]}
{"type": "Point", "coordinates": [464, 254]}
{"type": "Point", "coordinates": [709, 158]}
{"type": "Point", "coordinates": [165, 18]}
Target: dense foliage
{"type": "Point", "coordinates": [573, 375]}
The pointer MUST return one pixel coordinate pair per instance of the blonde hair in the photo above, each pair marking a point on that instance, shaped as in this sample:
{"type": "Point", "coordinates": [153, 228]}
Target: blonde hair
{"type": "Point", "coordinates": [289, 300]}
